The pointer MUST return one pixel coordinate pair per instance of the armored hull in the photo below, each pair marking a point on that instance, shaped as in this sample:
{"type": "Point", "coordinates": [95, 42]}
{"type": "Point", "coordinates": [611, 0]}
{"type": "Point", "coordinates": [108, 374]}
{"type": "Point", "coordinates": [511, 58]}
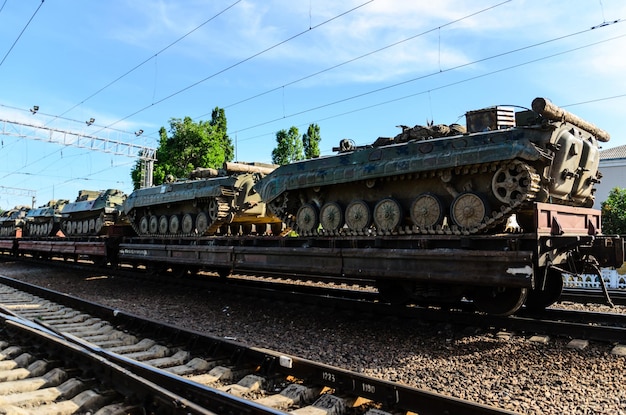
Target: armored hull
{"type": "Point", "coordinates": [443, 179]}
{"type": "Point", "coordinates": [12, 221]}
{"type": "Point", "coordinates": [210, 202]}
{"type": "Point", "coordinates": [45, 220]}
{"type": "Point", "coordinates": [92, 213]}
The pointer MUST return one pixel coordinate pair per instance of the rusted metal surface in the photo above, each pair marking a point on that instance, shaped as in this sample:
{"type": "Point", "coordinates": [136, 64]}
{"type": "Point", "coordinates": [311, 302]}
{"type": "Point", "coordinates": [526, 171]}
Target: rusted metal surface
{"type": "Point", "coordinates": [64, 247]}
{"type": "Point", "coordinates": [558, 220]}
{"type": "Point", "coordinates": [475, 267]}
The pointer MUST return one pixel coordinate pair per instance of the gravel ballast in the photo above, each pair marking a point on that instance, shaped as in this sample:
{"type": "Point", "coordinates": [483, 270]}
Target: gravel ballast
{"type": "Point", "coordinates": [514, 373]}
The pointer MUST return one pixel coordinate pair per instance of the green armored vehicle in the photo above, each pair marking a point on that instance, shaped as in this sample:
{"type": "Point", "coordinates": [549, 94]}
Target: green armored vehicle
{"type": "Point", "coordinates": [45, 220]}
{"type": "Point", "coordinates": [443, 179]}
{"type": "Point", "coordinates": [92, 213]}
{"type": "Point", "coordinates": [12, 221]}
{"type": "Point", "coordinates": [211, 201]}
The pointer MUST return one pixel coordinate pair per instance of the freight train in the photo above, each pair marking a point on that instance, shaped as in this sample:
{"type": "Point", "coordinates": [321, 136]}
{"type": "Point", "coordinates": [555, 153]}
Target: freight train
{"type": "Point", "coordinates": [495, 211]}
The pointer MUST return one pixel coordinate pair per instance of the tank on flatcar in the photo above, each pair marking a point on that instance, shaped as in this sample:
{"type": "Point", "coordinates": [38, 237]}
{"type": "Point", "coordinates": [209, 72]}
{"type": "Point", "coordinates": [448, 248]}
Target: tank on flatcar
{"type": "Point", "coordinates": [92, 213]}
{"type": "Point", "coordinates": [44, 220]}
{"type": "Point", "coordinates": [211, 201]}
{"type": "Point", "coordinates": [12, 221]}
{"type": "Point", "coordinates": [443, 179]}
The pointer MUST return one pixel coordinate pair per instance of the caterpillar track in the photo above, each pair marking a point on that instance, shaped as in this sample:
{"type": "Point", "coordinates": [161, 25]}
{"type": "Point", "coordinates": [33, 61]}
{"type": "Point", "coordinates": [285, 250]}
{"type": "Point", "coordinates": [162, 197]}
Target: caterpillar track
{"type": "Point", "coordinates": [516, 182]}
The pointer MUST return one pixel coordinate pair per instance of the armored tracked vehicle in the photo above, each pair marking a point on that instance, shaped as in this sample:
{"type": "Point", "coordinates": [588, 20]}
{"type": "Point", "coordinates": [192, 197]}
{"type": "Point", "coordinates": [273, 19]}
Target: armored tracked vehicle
{"type": "Point", "coordinates": [92, 213]}
{"type": "Point", "coordinates": [210, 202]}
{"type": "Point", "coordinates": [12, 221]}
{"type": "Point", "coordinates": [443, 179]}
{"type": "Point", "coordinates": [45, 220]}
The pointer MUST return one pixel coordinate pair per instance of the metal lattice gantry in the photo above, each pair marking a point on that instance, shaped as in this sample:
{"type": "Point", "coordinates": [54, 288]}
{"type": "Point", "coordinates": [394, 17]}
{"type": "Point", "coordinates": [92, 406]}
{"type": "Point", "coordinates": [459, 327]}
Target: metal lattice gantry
{"type": "Point", "coordinates": [120, 146]}
{"type": "Point", "coordinates": [15, 191]}
{"type": "Point", "coordinates": [78, 139]}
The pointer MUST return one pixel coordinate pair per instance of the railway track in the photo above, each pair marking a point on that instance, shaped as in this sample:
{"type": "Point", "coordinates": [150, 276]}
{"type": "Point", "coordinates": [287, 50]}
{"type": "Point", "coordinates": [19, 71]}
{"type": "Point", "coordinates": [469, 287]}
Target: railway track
{"type": "Point", "coordinates": [41, 372]}
{"type": "Point", "coordinates": [602, 327]}
{"type": "Point", "coordinates": [208, 373]}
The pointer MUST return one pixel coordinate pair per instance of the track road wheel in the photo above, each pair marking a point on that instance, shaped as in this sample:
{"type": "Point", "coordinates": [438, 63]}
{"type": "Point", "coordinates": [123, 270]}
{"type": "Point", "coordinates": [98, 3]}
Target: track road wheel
{"type": "Point", "coordinates": [542, 297]}
{"type": "Point", "coordinates": [187, 224]}
{"type": "Point", "coordinates": [307, 218]}
{"type": "Point", "coordinates": [153, 225]}
{"type": "Point", "coordinates": [468, 210]}
{"type": "Point", "coordinates": [202, 223]}
{"type": "Point", "coordinates": [163, 225]}
{"type": "Point", "coordinates": [331, 216]}
{"type": "Point", "coordinates": [499, 301]}
{"type": "Point", "coordinates": [174, 224]}
{"type": "Point", "coordinates": [396, 292]}
{"type": "Point", "coordinates": [387, 215]}
{"type": "Point", "coordinates": [358, 215]}
{"type": "Point", "coordinates": [99, 223]}
{"type": "Point", "coordinates": [426, 211]}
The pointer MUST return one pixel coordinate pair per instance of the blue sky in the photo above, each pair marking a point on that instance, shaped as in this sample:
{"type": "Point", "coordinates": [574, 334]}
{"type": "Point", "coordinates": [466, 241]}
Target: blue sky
{"type": "Point", "coordinates": [357, 68]}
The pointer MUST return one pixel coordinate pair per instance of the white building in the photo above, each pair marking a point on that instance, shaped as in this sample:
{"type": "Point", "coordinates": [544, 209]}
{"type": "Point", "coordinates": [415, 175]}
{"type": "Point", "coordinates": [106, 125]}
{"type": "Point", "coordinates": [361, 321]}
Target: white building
{"type": "Point", "coordinates": [613, 169]}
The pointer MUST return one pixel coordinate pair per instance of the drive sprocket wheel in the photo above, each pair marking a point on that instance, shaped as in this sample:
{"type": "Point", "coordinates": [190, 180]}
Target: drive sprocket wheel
{"type": "Point", "coordinates": [514, 181]}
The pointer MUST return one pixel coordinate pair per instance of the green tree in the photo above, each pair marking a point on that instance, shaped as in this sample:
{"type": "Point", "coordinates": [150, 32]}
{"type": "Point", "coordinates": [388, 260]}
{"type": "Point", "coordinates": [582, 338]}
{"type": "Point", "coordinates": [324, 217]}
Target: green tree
{"type": "Point", "coordinates": [311, 141]}
{"type": "Point", "coordinates": [289, 147]}
{"type": "Point", "coordinates": [614, 212]}
{"type": "Point", "coordinates": [189, 145]}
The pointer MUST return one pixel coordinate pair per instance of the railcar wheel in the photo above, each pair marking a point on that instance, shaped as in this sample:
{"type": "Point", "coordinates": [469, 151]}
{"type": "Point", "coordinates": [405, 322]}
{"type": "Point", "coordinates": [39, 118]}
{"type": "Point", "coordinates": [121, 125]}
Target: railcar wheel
{"type": "Point", "coordinates": [179, 271]}
{"type": "Point", "coordinates": [187, 224]}
{"type": "Point", "coordinates": [163, 224]}
{"type": "Point", "coordinates": [144, 225]}
{"type": "Point", "coordinates": [499, 301]}
{"type": "Point", "coordinates": [307, 218]}
{"type": "Point", "coordinates": [426, 210]}
{"type": "Point", "coordinates": [387, 214]}
{"type": "Point", "coordinates": [358, 215]}
{"type": "Point", "coordinates": [542, 297]}
{"type": "Point", "coordinates": [202, 223]}
{"type": "Point", "coordinates": [394, 291]}
{"type": "Point", "coordinates": [154, 224]}
{"type": "Point", "coordinates": [331, 216]}
{"type": "Point", "coordinates": [468, 210]}
{"type": "Point", "coordinates": [174, 224]}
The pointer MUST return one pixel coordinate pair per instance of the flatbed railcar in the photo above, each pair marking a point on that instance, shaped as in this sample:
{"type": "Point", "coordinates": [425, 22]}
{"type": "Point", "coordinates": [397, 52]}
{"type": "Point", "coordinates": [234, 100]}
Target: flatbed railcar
{"type": "Point", "coordinates": [500, 273]}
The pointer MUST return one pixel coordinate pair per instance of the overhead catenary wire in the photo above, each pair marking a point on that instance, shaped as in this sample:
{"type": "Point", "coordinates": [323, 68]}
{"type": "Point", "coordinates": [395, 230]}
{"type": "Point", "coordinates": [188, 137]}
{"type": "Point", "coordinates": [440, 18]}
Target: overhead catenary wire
{"type": "Point", "coordinates": [21, 33]}
{"type": "Point", "coordinates": [134, 68]}
{"type": "Point", "coordinates": [438, 72]}
{"type": "Point", "coordinates": [346, 62]}
{"type": "Point", "coordinates": [241, 62]}
{"type": "Point", "coordinates": [429, 90]}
